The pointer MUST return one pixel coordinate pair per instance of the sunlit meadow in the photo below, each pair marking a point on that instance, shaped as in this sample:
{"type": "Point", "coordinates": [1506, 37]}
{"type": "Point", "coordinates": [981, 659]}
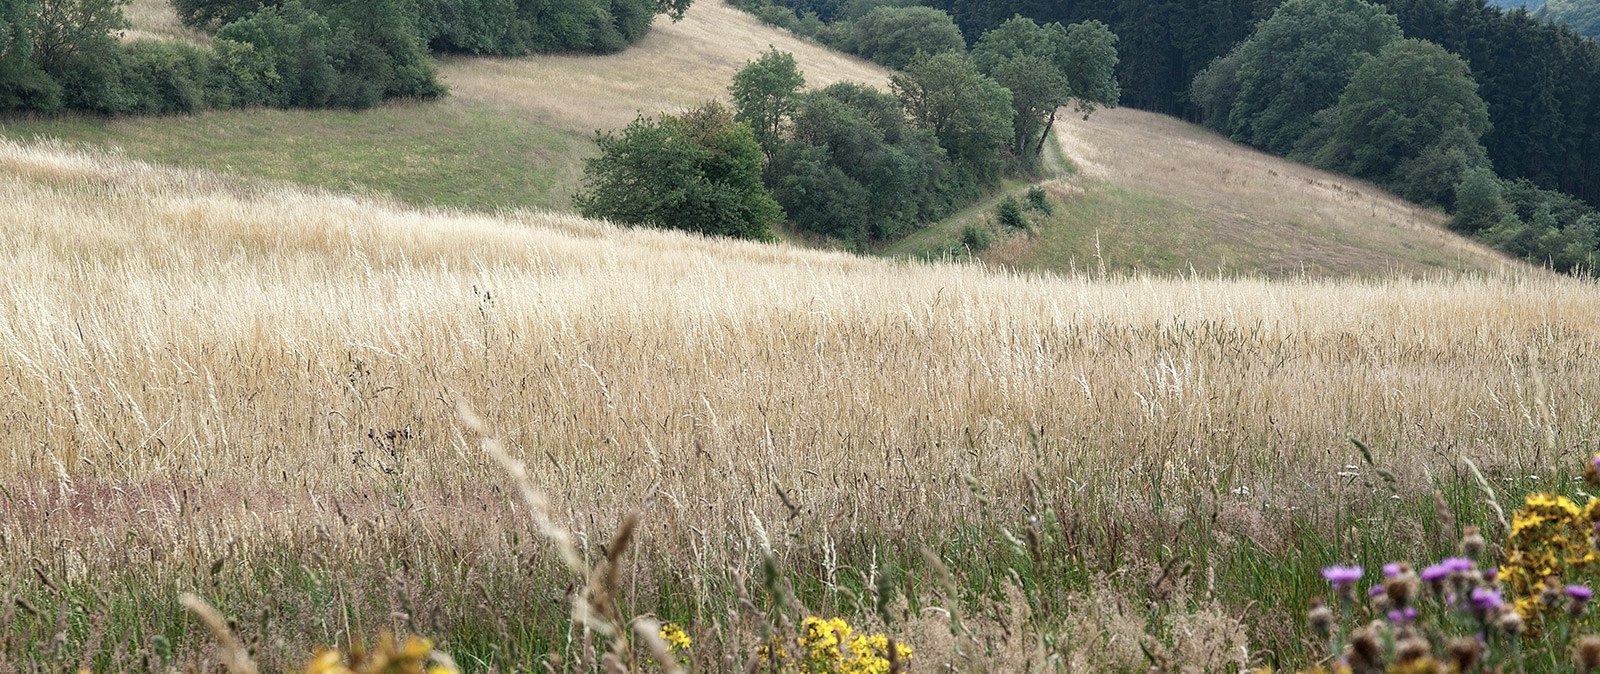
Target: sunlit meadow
{"type": "Point", "coordinates": [311, 410]}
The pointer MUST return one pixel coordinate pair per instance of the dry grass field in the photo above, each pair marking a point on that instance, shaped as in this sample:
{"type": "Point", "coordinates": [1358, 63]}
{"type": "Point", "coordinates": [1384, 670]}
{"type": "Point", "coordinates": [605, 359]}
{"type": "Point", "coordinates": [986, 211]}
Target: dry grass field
{"type": "Point", "coordinates": [251, 393]}
{"type": "Point", "coordinates": [676, 66]}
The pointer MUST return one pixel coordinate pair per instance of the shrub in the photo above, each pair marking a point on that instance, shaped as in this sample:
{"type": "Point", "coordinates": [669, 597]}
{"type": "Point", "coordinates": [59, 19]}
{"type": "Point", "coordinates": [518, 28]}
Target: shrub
{"type": "Point", "coordinates": [23, 86]}
{"type": "Point", "coordinates": [162, 78]}
{"type": "Point", "coordinates": [294, 46]}
{"type": "Point", "coordinates": [895, 36]}
{"type": "Point", "coordinates": [297, 57]}
{"type": "Point", "coordinates": [1010, 213]}
{"type": "Point", "coordinates": [852, 168]}
{"type": "Point", "coordinates": [977, 238]}
{"type": "Point", "coordinates": [519, 27]}
{"type": "Point", "coordinates": [699, 171]}
{"type": "Point", "coordinates": [213, 14]}
{"type": "Point", "coordinates": [1039, 201]}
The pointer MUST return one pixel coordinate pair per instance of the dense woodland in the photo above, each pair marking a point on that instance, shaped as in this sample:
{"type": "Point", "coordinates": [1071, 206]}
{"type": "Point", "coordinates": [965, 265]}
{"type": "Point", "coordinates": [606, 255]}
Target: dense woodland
{"type": "Point", "coordinates": [1498, 91]}
{"type": "Point", "coordinates": [1583, 16]}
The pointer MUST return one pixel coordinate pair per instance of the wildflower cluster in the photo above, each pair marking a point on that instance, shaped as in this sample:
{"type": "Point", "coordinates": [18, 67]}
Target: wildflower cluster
{"type": "Point", "coordinates": [1551, 538]}
{"type": "Point", "coordinates": [414, 656]}
{"type": "Point", "coordinates": [1462, 615]}
{"type": "Point", "coordinates": [832, 647]}
{"type": "Point", "coordinates": [676, 638]}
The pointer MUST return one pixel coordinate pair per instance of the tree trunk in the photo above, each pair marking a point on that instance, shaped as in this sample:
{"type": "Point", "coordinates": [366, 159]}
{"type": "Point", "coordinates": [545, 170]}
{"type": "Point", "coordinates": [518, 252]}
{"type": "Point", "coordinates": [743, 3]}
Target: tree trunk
{"type": "Point", "coordinates": [1049, 124]}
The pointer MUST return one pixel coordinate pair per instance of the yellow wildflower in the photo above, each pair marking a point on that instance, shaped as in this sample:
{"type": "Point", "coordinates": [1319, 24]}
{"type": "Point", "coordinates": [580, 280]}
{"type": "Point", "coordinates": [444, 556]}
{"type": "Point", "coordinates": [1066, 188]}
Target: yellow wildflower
{"type": "Point", "coordinates": [676, 638]}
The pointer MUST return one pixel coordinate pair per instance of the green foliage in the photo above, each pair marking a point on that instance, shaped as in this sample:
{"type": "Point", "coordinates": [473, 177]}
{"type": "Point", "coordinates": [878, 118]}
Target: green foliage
{"type": "Point", "coordinates": [1298, 61]}
{"type": "Point", "coordinates": [1162, 44]}
{"type": "Point", "coordinates": [293, 56]}
{"type": "Point", "coordinates": [1479, 204]}
{"type": "Point", "coordinates": [518, 27]}
{"type": "Point", "coordinates": [74, 44]}
{"type": "Point", "coordinates": [852, 169]}
{"type": "Point", "coordinates": [213, 14]}
{"type": "Point", "coordinates": [350, 53]}
{"type": "Point", "coordinates": [379, 54]}
{"type": "Point", "coordinates": [1409, 113]}
{"type": "Point", "coordinates": [1583, 16]}
{"type": "Point", "coordinates": [23, 84]}
{"type": "Point", "coordinates": [1091, 65]}
{"type": "Point", "coordinates": [163, 78]}
{"type": "Point", "coordinates": [501, 27]}
{"type": "Point", "coordinates": [1542, 226]}
{"type": "Point", "coordinates": [977, 238]}
{"type": "Point", "coordinates": [764, 93]}
{"type": "Point", "coordinates": [967, 111]}
{"type": "Point", "coordinates": [896, 36]}
{"type": "Point", "coordinates": [1039, 201]}
{"type": "Point", "coordinates": [1045, 68]}
{"type": "Point", "coordinates": [1215, 89]}
{"type": "Point", "coordinates": [855, 9]}
{"type": "Point", "coordinates": [1540, 80]}
{"type": "Point", "coordinates": [1009, 212]}
{"type": "Point", "coordinates": [699, 171]}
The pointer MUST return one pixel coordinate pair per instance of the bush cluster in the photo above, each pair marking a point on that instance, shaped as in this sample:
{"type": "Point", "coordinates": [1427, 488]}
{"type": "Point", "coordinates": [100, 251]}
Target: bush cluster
{"type": "Point", "coordinates": [698, 171]}
{"type": "Point", "coordinates": [65, 54]}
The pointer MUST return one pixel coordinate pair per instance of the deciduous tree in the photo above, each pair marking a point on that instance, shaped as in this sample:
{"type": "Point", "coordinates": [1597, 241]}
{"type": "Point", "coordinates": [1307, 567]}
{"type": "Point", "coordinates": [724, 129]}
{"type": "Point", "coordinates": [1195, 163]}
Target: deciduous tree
{"type": "Point", "coordinates": [699, 171]}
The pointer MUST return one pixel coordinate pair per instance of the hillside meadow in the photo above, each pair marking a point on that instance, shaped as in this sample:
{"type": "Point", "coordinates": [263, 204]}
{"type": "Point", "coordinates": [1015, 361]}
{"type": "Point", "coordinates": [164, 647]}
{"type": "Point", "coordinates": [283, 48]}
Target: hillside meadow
{"type": "Point", "coordinates": [254, 393]}
{"type": "Point", "coordinates": [513, 132]}
{"type": "Point", "coordinates": [1148, 193]}
{"type": "Point", "coordinates": [1137, 192]}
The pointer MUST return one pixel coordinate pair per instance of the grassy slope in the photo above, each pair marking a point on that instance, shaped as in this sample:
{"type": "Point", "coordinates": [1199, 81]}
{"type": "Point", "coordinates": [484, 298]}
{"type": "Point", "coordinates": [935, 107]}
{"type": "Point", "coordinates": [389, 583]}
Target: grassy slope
{"type": "Point", "coordinates": [513, 133]}
{"type": "Point", "coordinates": [1154, 194]}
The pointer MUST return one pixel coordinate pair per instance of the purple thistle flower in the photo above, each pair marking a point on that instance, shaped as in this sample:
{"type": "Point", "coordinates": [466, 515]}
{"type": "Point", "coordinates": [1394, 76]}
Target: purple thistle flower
{"type": "Point", "coordinates": [1391, 569]}
{"type": "Point", "coordinates": [1403, 616]}
{"type": "Point", "coordinates": [1485, 599]}
{"type": "Point", "coordinates": [1579, 592]}
{"type": "Point", "coordinates": [1342, 575]}
{"type": "Point", "coordinates": [1454, 564]}
{"type": "Point", "coordinates": [1375, 590]}
{"type": "Point", "coordinates": [1491, 573]}
{"type": "Point", "coordinates": [1435, 573]}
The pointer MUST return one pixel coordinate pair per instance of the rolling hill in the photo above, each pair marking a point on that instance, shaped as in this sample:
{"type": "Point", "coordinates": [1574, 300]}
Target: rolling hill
{"type": "Point", "coordinates": [1168, 196]}
{"type": "Point", "coordinates": [1150, 193]}
{"type": "Point", "coordinates": [202, 368]}
{"type": "Point", "coordinates": [512, 133]}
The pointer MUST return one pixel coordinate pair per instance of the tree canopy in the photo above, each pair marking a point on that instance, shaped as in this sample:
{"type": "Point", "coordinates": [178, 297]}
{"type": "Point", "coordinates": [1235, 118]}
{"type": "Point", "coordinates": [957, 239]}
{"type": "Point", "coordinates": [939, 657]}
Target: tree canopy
{"type": "Point", "coordinates": [764, 94]}
{"type": "Point", "coordinates": [1412, 101]}
{"type": "Point", "coordinates": [967, 111]}
{"type": "Point", "coordinates": [1582, 16]}
{"type": "Point", "coordinates": [1297, 63]}
{"type": "Point", "coordinates": [1047, 67]}
{"type": "Point", "coordinates": [698, 171]}
{"type": "Point", "coordinates": [895, 36]}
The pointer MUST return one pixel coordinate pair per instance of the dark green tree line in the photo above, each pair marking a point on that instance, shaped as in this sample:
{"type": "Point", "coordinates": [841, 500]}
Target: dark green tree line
{"type": "Point", "coordinates": [66, 54]}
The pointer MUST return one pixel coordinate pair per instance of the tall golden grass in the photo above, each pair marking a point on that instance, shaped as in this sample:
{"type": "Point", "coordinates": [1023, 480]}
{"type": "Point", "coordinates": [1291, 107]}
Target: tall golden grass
{"type": "Point", "coordinates": [203, 378]}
